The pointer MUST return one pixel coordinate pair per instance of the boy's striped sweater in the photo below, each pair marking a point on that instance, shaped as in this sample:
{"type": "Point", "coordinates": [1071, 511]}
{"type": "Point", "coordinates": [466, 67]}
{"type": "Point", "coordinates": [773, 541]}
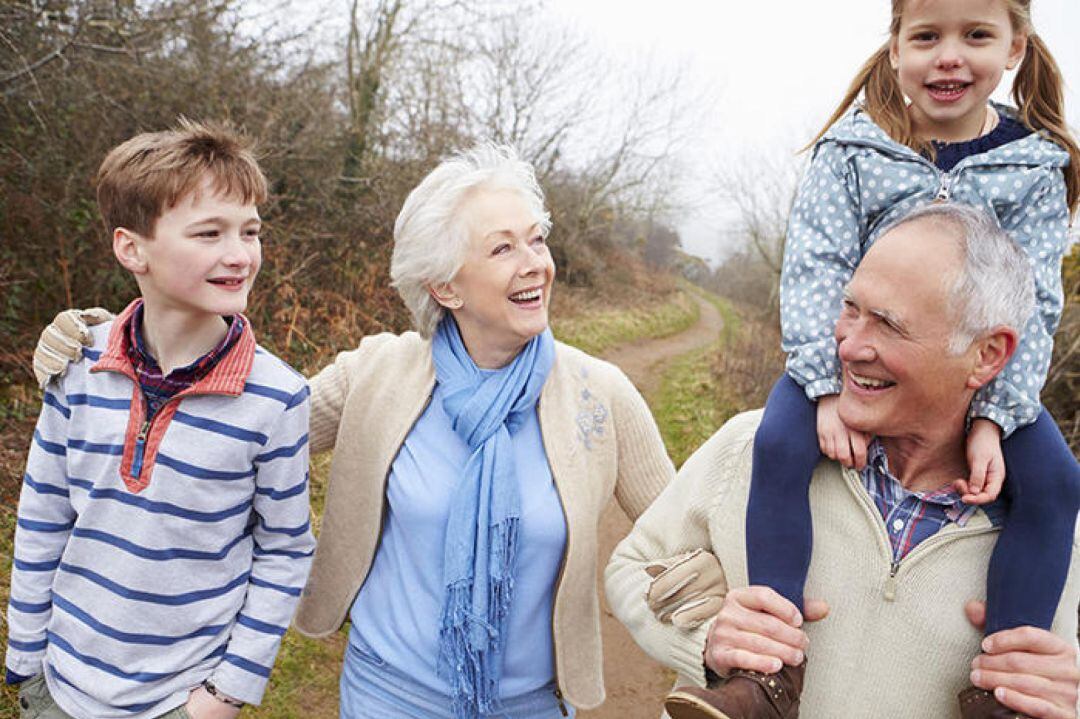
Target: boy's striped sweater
{"type": "Point", "coordinates": [129, 594]}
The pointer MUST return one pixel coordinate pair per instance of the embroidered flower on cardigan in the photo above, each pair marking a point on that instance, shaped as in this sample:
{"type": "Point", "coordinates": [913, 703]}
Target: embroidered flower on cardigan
{"type": "Point", "coordinates": [591, 417]}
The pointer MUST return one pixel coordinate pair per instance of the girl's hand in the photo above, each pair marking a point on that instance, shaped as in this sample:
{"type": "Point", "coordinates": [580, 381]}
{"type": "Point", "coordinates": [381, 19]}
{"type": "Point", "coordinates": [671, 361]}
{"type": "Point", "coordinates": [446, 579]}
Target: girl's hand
{"type": "Point", "coordinates": [986, 464]}
{"type": "Point", "coordinates": [200, 705]}
{"type": "Point", "coordinates": [846, 446]}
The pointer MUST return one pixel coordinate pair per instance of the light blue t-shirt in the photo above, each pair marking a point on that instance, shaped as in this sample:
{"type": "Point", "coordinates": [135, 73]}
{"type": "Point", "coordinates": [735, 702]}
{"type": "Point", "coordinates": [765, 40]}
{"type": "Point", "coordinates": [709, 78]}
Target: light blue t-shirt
{"type": "Point", "coordinates": [397, 610]}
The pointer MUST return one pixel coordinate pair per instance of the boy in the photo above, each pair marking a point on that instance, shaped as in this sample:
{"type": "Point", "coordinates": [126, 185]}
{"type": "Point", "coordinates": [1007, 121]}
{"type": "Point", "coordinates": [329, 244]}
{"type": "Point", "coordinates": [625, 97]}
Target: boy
{"type": "Point", "coordinates": [163, 528]}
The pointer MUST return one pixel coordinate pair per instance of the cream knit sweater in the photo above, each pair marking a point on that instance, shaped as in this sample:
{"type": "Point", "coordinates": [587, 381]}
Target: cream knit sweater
{"type": "Point", "coordinates": [896, 642]}
{"type": "Point", "coordinates": [600, 440]}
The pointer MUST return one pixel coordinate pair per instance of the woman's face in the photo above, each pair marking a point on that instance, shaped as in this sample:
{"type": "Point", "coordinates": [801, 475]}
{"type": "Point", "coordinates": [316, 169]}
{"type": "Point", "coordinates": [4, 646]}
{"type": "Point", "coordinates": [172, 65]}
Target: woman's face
{"type": "Point", "coordinates": [504, 285]}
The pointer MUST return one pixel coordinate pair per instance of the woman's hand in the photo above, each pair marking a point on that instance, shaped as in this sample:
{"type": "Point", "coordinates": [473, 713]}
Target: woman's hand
{"type": "Point", "coordinates": [201, 705]}
{"type": "Point", "coordinates": [759, 630]}
{"type": "Point", "coordinates": [846, 446]}
{"type": "Point", "coordinates": [686, 590]}
{"type": "Point", "coordinates": [985, 462]}
{"type": "Point", "coordinates": [62, 342]}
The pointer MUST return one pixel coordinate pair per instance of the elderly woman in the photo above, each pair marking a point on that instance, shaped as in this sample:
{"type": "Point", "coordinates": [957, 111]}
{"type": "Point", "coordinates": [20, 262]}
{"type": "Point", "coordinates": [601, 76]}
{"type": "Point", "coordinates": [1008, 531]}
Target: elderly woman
{"type": "Point", "coordinates": [472, 459]}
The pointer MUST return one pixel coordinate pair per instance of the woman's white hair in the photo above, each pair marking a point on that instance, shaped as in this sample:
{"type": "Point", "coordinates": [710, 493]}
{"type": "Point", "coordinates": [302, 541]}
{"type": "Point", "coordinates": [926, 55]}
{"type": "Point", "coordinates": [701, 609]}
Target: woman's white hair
{"type": "Point", "coordinates": [430, 236]}
{"type": "Point", "coordinates": [995, 285]}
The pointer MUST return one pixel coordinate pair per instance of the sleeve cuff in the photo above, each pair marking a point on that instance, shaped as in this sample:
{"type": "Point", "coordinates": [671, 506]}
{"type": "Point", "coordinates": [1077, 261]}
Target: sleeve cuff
{"type": "Point", "coordinates": [11, 677]}
{"type": "Point", "coordinates": [239, 683]}
{"type": "Point", "coordinates": [1008, 422]}
{"type": "Point", "coordinates": [688, 655]}
{"type": "Point", "coordinates": [822, 387]}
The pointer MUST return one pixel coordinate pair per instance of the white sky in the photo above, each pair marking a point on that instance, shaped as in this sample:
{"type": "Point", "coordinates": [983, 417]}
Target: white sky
{"type": "Point", "coordinates": [777, 68]}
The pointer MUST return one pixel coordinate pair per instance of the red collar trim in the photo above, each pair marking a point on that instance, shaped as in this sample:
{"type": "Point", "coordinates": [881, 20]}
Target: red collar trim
{"type": "Point", "coordinates": [227, 377]}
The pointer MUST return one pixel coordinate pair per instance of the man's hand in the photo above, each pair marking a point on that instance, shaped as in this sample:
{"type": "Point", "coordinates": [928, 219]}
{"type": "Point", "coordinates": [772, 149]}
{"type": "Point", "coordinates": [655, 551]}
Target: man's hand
{"type": "Point", "coordinates": [846, 446]}
{"type": "Point", "coordinates": [686, 590]}
{"type": "Point", "coordinates": [200, 705]}
{"type": "Point", "coordinates": [986, 465]}
{"type": "Point", "coordinates": [62, 342]}
{"type": "Point", "coordinates": [758, 629]}
{"type": "Point", "coordinates": [1029, 670]}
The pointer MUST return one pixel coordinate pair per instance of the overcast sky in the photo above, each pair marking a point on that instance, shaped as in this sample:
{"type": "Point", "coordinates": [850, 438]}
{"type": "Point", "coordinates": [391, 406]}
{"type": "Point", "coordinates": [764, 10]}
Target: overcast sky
{"type": "Point", "coordinates": [777, 67]}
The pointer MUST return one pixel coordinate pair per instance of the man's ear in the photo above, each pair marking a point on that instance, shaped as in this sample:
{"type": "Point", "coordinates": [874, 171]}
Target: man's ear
{"type": "Point", "coordinates": [992, 352]}
{"type": "Point", "coordinates": [127, 246]}
{"type": "Point", "coordinates": [445, 294]}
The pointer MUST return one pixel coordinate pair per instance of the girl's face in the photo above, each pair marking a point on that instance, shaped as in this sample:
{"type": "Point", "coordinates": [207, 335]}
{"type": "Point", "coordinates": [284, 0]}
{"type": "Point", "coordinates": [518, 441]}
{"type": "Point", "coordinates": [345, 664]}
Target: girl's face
{"type": "Point", "coordinates": [950, 56]}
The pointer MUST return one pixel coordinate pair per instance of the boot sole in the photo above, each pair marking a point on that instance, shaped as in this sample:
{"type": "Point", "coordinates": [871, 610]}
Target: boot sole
{"type": "Point", "coordinates": [687, 706]}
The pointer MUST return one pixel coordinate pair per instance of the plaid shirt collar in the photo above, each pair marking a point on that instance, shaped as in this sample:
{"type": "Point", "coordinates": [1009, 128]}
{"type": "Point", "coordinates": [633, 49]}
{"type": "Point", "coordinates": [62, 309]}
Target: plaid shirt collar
{"type": "Point", "coordinates": [911, 517]}
{"type": "Point", "coordinates": [157, 387]}
{"type": "Point", "coordinates": [886, 488]}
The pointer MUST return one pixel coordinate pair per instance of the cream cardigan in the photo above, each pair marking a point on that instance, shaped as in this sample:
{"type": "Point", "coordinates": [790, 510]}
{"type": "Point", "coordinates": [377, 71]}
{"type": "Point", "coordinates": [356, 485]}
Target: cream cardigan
{"type": "Point", "coordinates": [600, 439]}
{"type": "Point", "coordinates": [896, 642]}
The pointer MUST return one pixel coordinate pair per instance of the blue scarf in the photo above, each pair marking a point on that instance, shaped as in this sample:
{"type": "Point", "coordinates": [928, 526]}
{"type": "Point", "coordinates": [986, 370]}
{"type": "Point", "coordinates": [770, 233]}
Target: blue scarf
{"type": "Point", "coordinates": [485, 512]}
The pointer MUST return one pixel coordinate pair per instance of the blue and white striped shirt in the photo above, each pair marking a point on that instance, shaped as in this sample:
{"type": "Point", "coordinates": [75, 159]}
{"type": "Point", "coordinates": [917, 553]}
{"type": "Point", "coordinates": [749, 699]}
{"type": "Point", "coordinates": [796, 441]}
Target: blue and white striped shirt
{"type": "Point", "coordinates": [128, 599]}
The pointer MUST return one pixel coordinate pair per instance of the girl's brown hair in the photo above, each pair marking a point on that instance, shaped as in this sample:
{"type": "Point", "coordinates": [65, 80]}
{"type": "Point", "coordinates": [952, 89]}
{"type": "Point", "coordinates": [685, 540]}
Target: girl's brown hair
{"type": "Point", "coordinates": [1037, 92]}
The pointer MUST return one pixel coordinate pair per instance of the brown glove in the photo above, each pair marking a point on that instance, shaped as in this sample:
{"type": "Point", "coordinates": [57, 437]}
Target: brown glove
{"type": "Point", "coordinates": [62, 342]}
{"type": "Point", "coordinates": [687, 589]}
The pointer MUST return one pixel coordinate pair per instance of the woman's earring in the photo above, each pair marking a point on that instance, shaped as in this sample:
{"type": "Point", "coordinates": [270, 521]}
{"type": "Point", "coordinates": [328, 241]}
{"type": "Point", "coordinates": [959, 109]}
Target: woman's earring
{"type": "Point", "coordinates": [455, 304]}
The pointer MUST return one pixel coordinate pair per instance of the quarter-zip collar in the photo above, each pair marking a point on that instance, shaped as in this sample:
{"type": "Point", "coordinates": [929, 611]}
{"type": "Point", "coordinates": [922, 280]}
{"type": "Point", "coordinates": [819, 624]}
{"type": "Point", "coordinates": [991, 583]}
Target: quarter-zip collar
{"type": "Point", "coordinates": [143, 436]}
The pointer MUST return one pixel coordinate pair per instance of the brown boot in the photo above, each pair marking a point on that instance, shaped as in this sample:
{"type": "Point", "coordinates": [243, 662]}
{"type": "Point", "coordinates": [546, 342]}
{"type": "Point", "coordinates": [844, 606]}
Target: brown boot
{"type": "Point", "coordinates": [978, 703]}
{"type": "Point", "coordinates": [743, 695]}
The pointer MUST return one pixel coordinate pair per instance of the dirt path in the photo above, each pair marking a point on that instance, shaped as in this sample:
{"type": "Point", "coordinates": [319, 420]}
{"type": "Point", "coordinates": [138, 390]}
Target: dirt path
{"type": "Point", "coordinates": [635, 683]}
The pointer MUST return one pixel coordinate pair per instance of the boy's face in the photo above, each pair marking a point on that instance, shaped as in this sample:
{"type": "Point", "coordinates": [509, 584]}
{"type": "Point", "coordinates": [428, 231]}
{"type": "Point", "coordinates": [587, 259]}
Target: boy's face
{"type": "Point", "coordinates": [202, 258]}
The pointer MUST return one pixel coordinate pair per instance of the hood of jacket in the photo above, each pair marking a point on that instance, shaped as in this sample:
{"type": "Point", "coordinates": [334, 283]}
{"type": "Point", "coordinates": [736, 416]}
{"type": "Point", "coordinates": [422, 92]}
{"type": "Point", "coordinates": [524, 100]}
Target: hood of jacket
{"type": "Point", "coordinates": [857, 129]}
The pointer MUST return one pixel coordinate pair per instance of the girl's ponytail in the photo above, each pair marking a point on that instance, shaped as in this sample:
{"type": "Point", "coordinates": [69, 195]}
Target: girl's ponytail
{"type": "Point", "coordinates": [882, 99]}
{"type": "Point", "coordinates": [1037, 92]}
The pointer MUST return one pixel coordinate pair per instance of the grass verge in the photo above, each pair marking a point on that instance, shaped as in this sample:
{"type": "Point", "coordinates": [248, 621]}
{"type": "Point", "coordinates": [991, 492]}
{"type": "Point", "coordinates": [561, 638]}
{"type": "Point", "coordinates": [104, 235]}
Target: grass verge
{"type": "Point", "coordinates": [693, 401]}
{"type": "Point", "coordinates": [597, 331]}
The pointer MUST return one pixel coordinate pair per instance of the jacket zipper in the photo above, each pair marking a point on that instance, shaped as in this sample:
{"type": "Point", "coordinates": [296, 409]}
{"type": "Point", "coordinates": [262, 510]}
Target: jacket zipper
{"type": "Point", "coordinates": [140, 449]}
{"type": "Point", "coordinates": [945, 188]}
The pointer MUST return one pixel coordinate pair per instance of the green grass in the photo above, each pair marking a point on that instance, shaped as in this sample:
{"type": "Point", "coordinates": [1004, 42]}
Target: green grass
{"type": "Point", "coordinates": [595, 332]}
{"type": "Point", "coordinates": [692, 402]}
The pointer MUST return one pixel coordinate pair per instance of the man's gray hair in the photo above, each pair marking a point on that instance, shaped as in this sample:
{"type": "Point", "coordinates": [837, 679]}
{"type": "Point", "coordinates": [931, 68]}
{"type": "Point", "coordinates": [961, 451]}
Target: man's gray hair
{"type": "Point", "coordinates": [995, 285]}
{"type": "Point", "coordinates": [430, 234]}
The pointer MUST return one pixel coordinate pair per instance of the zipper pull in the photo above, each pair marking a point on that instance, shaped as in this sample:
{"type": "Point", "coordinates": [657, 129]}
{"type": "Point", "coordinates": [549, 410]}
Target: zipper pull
{"type": "Point", "coordinates": [890, 583]}
{"type": "Point", "coordinates": [562, 706]}
{"type": "Point", "coordinates": [944, 189]}
{"type": "Point", "coordinates": [140, 448]}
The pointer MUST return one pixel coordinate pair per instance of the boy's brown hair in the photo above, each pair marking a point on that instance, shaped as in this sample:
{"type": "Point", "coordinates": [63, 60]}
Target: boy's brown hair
{"type": "Point", "coordinates": [142, 177]}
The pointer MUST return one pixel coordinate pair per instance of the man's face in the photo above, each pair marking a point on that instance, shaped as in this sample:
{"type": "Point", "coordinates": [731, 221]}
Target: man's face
{"type": "Point", "coordinates": [899, 379]}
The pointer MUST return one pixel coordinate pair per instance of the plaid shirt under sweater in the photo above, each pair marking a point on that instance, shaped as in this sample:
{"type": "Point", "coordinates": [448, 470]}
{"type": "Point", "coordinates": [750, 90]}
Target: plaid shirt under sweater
{"type": "Point", "coordinates": [158, 388]}
{"type": "Point", "coordinates": [911, 517]}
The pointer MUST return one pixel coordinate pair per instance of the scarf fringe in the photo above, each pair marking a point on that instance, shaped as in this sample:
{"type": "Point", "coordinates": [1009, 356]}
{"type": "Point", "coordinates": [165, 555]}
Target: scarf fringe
{"type": "Point", "coordinates": [470, 647]}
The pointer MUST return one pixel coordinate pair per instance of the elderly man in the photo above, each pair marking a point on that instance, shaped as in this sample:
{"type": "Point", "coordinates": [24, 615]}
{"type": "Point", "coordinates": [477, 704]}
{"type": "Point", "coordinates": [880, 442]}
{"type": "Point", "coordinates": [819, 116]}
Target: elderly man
{"type": "Point", "coordinates": [901, 637]}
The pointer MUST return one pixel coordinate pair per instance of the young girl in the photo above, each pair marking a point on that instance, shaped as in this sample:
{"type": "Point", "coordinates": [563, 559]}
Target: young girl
{"type": "Point", "coordinates": [871, 166]}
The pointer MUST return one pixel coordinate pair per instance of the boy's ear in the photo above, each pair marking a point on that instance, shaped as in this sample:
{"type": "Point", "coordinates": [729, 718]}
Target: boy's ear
{"type": "Point", "coordinates": [445, 294]}
{"type": "Point", "coordinates": [127, 246]}
{"type": "Point", "coordinates": [992, 352]}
